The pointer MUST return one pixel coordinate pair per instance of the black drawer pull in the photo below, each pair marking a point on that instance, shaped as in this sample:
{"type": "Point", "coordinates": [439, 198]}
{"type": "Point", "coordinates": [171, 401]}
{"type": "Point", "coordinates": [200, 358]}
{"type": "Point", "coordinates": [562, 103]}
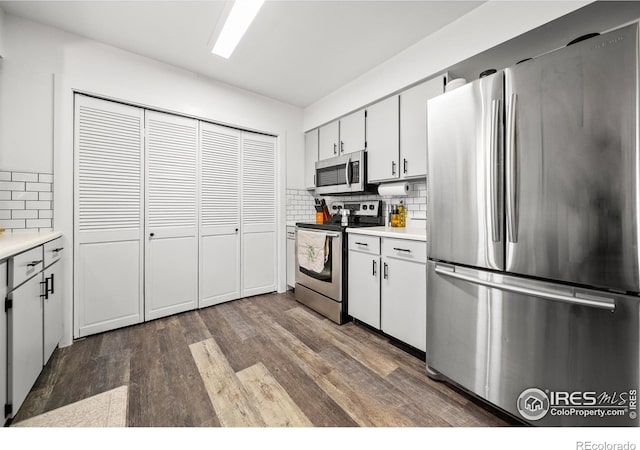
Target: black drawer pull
{"type": "Point", "coordinates": [56, 250]}
{"type": "Point", "coordinates": [402, 249]}
{"type": "Point", "coordinates": [33, 263]}
{"type": "Point", "coordinates": [362, 243]}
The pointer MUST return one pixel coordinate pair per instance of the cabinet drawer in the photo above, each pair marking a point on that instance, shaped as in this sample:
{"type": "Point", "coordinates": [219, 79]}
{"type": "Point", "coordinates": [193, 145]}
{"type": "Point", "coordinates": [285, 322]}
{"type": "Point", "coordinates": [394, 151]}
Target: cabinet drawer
{"type": "Point", "coordinates": [366, 244]}
{"type": "Point", "coordinates": [52, 251]}
{"type": "Point", "coordinates": [25, 265]}
{"type": "Point", "coordinates": [405, 249]}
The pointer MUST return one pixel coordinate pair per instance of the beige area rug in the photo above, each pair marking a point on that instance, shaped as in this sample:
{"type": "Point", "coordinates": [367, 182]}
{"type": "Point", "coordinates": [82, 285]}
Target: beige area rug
{"type": "Point", "coordinates": [108, 409]}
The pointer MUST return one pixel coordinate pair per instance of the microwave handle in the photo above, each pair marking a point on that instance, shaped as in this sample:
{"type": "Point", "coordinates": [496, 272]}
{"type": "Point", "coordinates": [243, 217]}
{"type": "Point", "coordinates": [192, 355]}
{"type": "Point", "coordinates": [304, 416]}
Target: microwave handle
{"type": "Point", "coordinates": [347, 176]}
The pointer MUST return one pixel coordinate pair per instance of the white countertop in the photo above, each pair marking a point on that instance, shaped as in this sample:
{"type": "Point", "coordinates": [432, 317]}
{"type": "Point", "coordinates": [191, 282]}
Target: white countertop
{"type": "Point", "coordinates": [414, 234]}
{"type": "Point", "coordinates": [14, 243]}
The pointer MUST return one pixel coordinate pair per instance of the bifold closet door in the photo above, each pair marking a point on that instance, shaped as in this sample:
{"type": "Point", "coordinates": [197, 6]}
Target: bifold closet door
{"type": "Point", "coordinates": [219, 214]}
{"type": "Point", "coordinates": [108, 215]}
{"type": "Point", "coordinates": [171, 254]}
{"type": "Point", "coordinates": [258, 214]}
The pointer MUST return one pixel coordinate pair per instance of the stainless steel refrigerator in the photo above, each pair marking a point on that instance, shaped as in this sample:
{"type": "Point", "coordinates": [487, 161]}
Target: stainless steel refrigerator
{"type": "Point", "coordinates": [533, 239]}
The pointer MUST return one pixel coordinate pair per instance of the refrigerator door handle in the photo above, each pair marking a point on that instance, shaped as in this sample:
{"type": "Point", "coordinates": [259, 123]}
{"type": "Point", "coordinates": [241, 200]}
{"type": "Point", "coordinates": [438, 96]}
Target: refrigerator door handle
{"type": "Point", "coordinates": [512, 171]}
{"type": "Point", "coordinates": [583, 300]}
{"type": "Point", "coordinates": [494, 179]}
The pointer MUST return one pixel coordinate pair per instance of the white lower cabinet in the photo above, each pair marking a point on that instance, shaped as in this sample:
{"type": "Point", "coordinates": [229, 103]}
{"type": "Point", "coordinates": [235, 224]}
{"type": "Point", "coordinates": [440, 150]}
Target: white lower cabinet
{"type": "Point", "coordinates": [291, 256]}
{"type": "Point", "coordinates": [52, 309]}
{"type": "Point", "coordinates": [363, 301]}
{"type": "Point", "coordinates": [33, 320]}
{"type": "Point", "coordinates": [25, 340]}
{"type": "Point", "coordinates": [3, 341]}
{"type": "Point", "coordinates": [388, 286]}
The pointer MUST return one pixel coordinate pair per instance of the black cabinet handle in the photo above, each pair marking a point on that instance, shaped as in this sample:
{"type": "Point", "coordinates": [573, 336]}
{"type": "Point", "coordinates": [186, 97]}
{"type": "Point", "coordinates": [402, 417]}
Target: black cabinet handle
{"type": "Point", "coordinates": [362, 243]}
{"type": "Point", "coordinates": [386, 271]}
{"type": "Point", "coordinates": [393, 167]}
{"type": "Point", "coordinates": [341, 147]}
{"type": "Point", "coordinates": [34, 263]}
{"type": "Point", "coordinates": [151, 235]}
{"type": "Point", "coordinates": [46, 289]}
{"type": "Point", "coordinates": [56, 250]}
{"type": "Point", "coordinates": [404, 165]}
{"type": "Point", "coordinates": [374, 267]}
{"type": "Point", "coordinates": [402, 249]}
{"type": "Point", "coordinates": [335, 149]}
{"type": "Point", "coordinates": [51, 290]}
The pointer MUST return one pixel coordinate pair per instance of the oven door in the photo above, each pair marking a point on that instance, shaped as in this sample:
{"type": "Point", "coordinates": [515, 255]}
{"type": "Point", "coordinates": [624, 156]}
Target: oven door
{"type": "Point", "coordinates": [329, 281]}
{"type": "Point", "coordinates": [341, 175]}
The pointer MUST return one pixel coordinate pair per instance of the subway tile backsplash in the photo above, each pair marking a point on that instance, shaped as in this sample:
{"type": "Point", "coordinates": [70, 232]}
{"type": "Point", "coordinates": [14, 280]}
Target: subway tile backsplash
{"type": "Point", "coordinates": [26, 201]}
{"type": "Point", "coordinates": [300, 203]}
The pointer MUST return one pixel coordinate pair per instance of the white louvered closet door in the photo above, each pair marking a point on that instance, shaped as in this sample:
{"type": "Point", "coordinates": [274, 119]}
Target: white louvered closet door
{"type": "Point", "coordinates": [258, 214]}
{"type": "Point", "coordinates": [108, 215]}
{"type": "Point", "coordinates": [171, 260]}
{"type": "Point", "coordinates": [219, 214]}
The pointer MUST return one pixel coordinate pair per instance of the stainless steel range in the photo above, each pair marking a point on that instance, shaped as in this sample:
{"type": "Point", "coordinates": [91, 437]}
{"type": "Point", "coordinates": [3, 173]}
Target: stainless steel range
{"type": "Point", "coordinates": [321, 257]}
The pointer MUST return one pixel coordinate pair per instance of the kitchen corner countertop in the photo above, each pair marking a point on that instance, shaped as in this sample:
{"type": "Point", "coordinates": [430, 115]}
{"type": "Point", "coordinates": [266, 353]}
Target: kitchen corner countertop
{"type": "Point", "coordinates": [12, 244]}
{"type": "Point", "coordinates": [414, 234]}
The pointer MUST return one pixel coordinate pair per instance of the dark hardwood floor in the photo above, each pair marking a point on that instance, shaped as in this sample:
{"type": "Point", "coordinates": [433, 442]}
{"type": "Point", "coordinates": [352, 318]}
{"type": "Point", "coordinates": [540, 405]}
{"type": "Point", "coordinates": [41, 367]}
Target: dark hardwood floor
{"type": "Point", "coordinates": [259, 361]}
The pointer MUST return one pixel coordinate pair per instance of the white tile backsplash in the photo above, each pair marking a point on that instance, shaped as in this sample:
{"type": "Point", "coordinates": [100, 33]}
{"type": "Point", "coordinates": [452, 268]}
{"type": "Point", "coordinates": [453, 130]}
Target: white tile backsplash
{"type": "Point", "coordinates": [300, 203]}
{"type": "Point", "coordinates": [26, 201]}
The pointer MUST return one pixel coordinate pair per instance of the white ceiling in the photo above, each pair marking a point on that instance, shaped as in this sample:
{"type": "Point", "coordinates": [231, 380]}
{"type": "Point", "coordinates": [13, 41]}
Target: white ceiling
{"type": "Point", "coordinates": [295, 51]}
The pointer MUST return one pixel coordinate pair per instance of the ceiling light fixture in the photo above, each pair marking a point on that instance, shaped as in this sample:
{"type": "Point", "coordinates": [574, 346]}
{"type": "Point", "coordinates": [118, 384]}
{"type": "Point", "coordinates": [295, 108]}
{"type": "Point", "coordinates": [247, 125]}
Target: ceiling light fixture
{"type": "Point", "coordinates": [242, 14]}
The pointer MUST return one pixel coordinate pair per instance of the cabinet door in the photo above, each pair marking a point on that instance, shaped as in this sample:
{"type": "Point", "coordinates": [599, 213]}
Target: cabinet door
{"type": "Point", "coordinates": [171, 253]}
{"type": "Point", "coordinates": [52, 309]}
{"type": "Point", "coordinates": [352, 132]}
{"type": "Point", "coordinates": [413, 127]}
{"type": "Point", "coordinates": [219, 215]}
{"type": "Point", "coordinates": [291, 256]}
{"type": "Point", "coordinates": [364, 288]}
{"type": "Point", "coordinates": [311, 145]}
{"type": "Point", "coordinates": [383, 140]}
{"type": "Point", "coordinates": [108, 215]}
{"type": "Point", "coordinates": [404, 301]}
{"type": "Point", "coordinates": [25, 340]}
{"type": "Point", "coordinates": [328, 139]}
{"type": "Point", "coordinates": [3, 341]}
{"type": "Point", "coordinates": [258, 214]}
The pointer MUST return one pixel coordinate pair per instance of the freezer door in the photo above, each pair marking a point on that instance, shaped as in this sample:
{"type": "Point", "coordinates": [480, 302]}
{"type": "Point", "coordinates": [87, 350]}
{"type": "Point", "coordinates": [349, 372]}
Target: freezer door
{"type": "Point", "coordinates": [572, 163]}
{"type": "Point", "coordinates": [579, 347]}
{"type": "Point", "coordinates": [465, 175]}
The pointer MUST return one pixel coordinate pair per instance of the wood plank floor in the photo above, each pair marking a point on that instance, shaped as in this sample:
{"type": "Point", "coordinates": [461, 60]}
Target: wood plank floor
{"type": "Point", "coordinates": [259, 361]}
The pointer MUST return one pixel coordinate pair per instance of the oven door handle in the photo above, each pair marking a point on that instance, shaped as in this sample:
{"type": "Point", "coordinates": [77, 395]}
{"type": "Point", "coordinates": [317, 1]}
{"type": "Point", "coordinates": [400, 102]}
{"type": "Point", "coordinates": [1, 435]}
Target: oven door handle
{"type": "Point", "coordinates": [331, 235]}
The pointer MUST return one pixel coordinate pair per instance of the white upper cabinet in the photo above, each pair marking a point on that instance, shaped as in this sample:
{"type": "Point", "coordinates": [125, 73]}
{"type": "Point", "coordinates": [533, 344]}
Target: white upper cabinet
{"type": "Point", "coordinates": [413, 126]}
{"type": "Point", "coordinates": [352, 132]}
{"type": "Point", "coordinates": [343, 136]}
{"type": "Point", "coordinates": [311, 146]}
{"type": "Point", "coordinates": [383, 140]}
{"type": "Point", "coordinates": [329, 139]}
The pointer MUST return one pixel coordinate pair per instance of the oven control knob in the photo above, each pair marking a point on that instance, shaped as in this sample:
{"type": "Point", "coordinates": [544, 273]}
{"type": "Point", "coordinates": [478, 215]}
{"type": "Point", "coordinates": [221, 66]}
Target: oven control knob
{"type": "Point", "coordinates": [370, 206]}
{"type": "Point", "coordinates": [364, 207]}
{"type": "Point", "coordinates": [334, 207]}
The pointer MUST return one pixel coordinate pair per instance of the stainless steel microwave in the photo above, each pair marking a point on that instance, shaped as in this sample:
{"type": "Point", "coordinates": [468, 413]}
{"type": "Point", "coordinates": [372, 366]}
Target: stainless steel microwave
{"type": "Point", "coordinates": [344, 174]}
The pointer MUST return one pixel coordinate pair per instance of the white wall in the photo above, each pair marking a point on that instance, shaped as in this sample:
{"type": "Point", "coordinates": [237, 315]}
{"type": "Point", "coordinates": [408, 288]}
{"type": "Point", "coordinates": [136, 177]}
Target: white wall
{"type": "Point", "coordinates": [32, 110]}
{"type": "Point", "coordinates": [490, 24]}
